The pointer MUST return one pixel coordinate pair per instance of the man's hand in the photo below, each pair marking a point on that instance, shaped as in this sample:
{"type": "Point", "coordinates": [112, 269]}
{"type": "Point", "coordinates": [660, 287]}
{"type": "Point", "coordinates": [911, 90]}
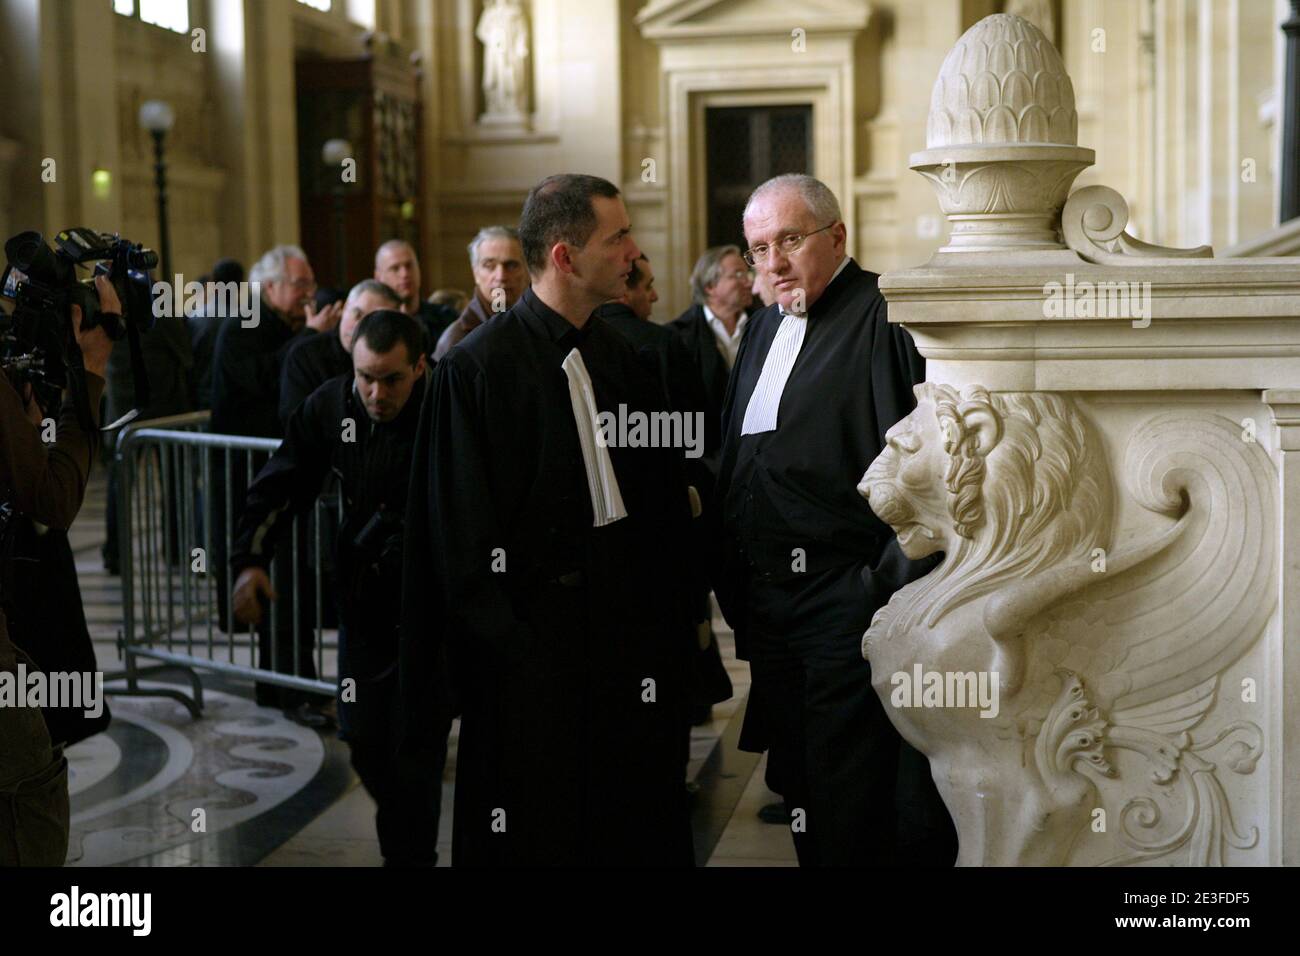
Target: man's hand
{"type": "Point", "coordinates": [95, 344]}
{"type": "Point", "coordinates": [250, 587]}
{"type": "Point", "coordinates": [326, 318]}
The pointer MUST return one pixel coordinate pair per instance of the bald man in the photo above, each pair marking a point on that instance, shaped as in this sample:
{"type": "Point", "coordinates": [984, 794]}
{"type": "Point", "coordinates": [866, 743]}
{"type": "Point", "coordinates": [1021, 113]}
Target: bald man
{"type": "Point", "coordinates": [398, 267]}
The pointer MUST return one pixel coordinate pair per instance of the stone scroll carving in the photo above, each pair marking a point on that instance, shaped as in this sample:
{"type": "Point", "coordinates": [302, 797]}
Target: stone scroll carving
{"type": "Point", "coordinates": [1108, 643]}
{"type": "Point", "coordinates": [1093, 224]}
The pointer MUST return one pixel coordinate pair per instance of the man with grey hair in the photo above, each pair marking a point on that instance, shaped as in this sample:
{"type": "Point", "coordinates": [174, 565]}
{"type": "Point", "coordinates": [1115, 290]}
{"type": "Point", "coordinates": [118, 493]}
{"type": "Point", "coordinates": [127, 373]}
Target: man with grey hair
{"type": "Point", "coordinates": [398, 267]}
{"type": "Point", "coordinates": [315, 359]}
{"type": "Point", "coordinates": [805, 563]}
{"type": "Point", "coordinates": [497, 260]}
{"type": "Point", "coordinates": [246, 365]}
{"type": "Point", "coordinates": [247, 360]}
{"type": "Point", "coordinates": [713, 327]}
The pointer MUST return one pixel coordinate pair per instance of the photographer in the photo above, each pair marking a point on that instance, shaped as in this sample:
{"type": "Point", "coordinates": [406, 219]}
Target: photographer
{"type": "Point", "coordinates": [46, 484]}
{"type": "Point", "coordinates": [381, 401]}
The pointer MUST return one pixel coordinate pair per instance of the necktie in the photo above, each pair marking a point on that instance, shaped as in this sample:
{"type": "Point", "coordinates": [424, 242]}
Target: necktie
{"type": "Point", "coordinates": [760, 413]}
{"type": "Point", "coordinates": [602, 483]}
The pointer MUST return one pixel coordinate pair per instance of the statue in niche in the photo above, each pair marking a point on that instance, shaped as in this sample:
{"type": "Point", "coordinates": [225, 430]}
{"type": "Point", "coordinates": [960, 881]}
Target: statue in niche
{"type": "Point", "coordinates": [1106, 650]}
{"type": "Point", "coordinates": [503, 31]}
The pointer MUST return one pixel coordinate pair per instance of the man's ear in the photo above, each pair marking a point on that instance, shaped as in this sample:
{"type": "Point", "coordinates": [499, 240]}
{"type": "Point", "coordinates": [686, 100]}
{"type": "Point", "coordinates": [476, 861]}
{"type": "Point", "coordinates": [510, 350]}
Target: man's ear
{"type": "Point", "coordinates": [983, 423]}
{"type": "Point", "coordinates": [841, 234]}
{"type": "Point", "coordinates": [561, 259]}
{"type": "Point", "coordinates": [419, 365]}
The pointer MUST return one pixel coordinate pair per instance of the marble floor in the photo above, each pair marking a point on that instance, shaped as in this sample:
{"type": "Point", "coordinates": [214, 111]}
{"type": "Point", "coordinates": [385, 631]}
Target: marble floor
{"type": "Point", "coordinates": [243, 785]}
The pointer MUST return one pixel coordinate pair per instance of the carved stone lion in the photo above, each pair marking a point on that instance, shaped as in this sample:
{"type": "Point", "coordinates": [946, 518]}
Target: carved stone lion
{"type": "Point", "coordinates": [1091, 647]}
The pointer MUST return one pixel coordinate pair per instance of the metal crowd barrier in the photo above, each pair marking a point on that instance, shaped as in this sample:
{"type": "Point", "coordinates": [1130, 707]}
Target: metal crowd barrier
{"type": "Point", "coordinates": [180, 494]}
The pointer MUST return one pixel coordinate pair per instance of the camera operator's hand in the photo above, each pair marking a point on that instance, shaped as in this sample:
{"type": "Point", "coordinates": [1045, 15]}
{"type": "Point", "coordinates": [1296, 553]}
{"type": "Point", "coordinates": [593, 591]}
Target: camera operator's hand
{"type": "Point", "coordinates": [250, 587]}
{"type": "Point", "coordinates": [326, 318]}
{"type": "Point", "coordinates": [95, 344]}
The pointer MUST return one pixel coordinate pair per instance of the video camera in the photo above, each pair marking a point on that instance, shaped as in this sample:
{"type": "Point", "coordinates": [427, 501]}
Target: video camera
{"type": "Point", "coordinates": [38, 342]}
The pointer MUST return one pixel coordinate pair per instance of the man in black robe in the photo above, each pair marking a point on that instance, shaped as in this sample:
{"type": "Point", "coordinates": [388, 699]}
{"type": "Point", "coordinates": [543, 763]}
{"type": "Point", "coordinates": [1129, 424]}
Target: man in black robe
{"type": "Point", "coordinates": [665, 351]}
{"type": "Point", "coordinates": [818, 381]}
{"type": "Point", "coordinates": [547, 567]}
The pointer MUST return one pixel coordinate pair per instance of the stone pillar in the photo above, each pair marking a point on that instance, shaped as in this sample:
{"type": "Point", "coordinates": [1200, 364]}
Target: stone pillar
{"type": "Point", "coordinates": [1101, 664]}
{"type": "Point", "coordinates": [1290, 198]}
{"type": "Point", "coordinates": [253, 45]}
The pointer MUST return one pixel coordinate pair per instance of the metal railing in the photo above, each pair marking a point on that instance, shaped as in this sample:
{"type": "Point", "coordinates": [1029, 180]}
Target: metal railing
{"type": "Point", "coordinates": [180, 495]}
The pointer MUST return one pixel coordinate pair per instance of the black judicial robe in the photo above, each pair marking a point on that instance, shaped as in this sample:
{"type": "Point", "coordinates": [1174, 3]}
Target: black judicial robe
{"type": "Point", "coordinates": [565, 648]}
{"type": "Point", "coordinates": [702, 344]}
{"type": "Point", "coordinates": [665, 351]}
{"type": "Point", "coordinates": [796, 487]}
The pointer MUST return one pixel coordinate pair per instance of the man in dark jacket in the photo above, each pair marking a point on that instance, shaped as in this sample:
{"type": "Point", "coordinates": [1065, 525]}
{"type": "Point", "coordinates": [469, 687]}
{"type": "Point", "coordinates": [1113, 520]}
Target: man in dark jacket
{"type": "Point", "coordinates": [204, 325]}
{"type": "Point", "coordinates": [497, 260]}
{"type": "Point", "coordinates": [247, 364]}
{"type": "Point", "coordinates": [168, 364]}
{"type": "Point", "coordinates": [315, 358]}
{"type": "Point", "coordinates": [397, 267]}
{"type": "Point", "coordinates": [360, 426]}
{"type": "Point", "coordinates": [713, 328]}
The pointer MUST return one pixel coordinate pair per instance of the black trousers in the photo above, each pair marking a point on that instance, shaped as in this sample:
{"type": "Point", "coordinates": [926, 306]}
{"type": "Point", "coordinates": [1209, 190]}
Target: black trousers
{"type": "Point", "coordinates": [857, 793]}
{"type": "Point", "coordinates": [408, 795]}
{"type": "Point", "coordinates": [291, 652]}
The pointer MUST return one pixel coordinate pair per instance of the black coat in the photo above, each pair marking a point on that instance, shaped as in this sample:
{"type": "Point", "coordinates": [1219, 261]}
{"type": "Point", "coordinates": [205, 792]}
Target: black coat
{"type": "Point", "coordinates": [433, 319]}
{"type": "Point", "coordinates": [168, 364]}
{"type": "Point", "coordinates": [203, 339]}
{"type": "Point", "coordinates": [246, 366]}
{"type": "Point", "coordinates": [373, 470]}
{"type": "Point", "coordinates": [551, 628]}
{"type": "Point", "coordinates": [313, 359]}
{"type": "Point", "coordinates": [702, 344]}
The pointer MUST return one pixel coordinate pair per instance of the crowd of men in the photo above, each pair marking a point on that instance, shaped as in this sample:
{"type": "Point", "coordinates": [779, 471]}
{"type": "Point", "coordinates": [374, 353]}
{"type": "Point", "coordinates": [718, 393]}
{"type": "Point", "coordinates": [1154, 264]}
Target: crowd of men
{"type": "Point", "coordinates": [500, 560]}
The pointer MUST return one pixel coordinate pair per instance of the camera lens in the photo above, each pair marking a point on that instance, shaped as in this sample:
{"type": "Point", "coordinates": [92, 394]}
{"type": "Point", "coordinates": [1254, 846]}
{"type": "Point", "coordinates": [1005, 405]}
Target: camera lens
{"type": "Point", "coordinates": [28, 253]}
{"type": "Point", "coordinates": [143, 258]}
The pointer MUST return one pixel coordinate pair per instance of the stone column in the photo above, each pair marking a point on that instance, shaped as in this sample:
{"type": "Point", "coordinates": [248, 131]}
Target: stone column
{"type": "Point", "coordinates": [1099, 663]}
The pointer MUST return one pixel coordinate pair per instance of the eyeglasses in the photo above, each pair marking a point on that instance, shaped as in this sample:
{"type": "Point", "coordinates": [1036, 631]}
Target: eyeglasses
{"type": "Point", "coordinates": [302, 283]}
{"type": "Point", "coordinates": [787, 245]}
{"type": "Point", "coordinates": [744, 275]}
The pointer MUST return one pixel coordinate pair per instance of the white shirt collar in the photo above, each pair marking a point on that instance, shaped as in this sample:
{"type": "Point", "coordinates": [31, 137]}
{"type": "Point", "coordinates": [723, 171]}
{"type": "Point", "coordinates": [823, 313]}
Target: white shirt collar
{"type": "Point", "coordinates": [716, 323]}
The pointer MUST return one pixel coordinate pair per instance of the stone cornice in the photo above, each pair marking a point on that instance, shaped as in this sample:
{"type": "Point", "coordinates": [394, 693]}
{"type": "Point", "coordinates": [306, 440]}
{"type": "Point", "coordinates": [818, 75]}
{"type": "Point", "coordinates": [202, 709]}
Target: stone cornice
{"type": "Point", "coordinates": [673, 20]}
